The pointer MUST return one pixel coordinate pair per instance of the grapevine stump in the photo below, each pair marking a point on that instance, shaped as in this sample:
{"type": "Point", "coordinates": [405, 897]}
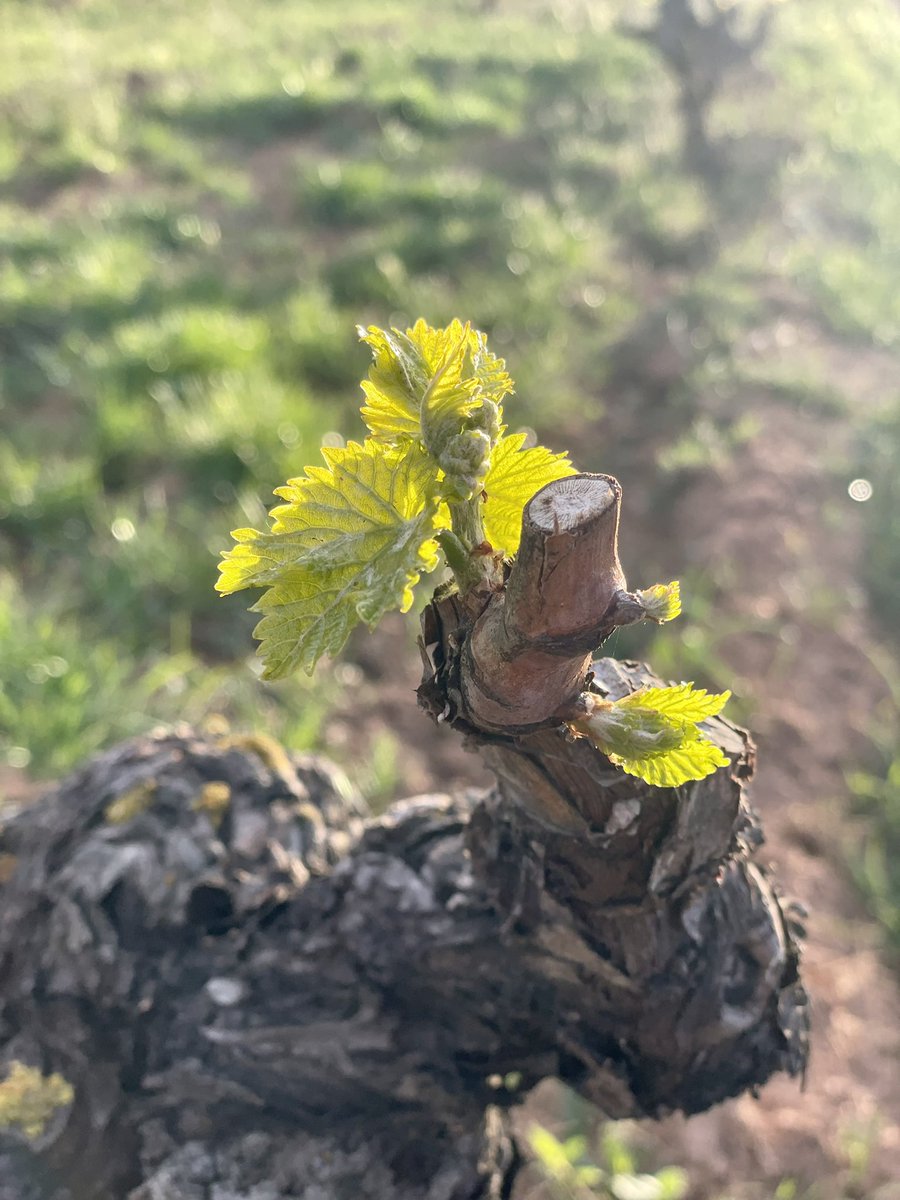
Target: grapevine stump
{"type": "Point", "coordinates": [258, 993]}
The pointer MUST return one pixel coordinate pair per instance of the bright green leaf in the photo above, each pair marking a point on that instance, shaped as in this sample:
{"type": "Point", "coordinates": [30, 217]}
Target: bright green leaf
{"type": "Point", "coordinates": [653, 734]}
{"type": "Point", "coordinates": [673, 1181]}
{"type": "Point", "coordinates": [513, 478]}
{"type": "Point", "coordinates": [680, 702]}
{"type": "Point", "coordinates": [349, 545]}
{"type": "Point", "coordinates": [426, 383]}
{"type": "Point", "coordinates": [661, 602]}
{"type": "Point", "coordinates": [617, 1154]}
{"type": "Point", "coordinates": [575, 1147]}
{"type": "Point", "coordinates": [633, 731]}
{"type": "Point", "coordinates": [466, 349]}
{"type": "Point", "coordinates": [695, 758]}
{"type": "Point", "coordinates": [452, 394]}
{"type": "Point", "coordinates": [589, 1175]}
{"type": "Point", "coordinates": [398, 380]}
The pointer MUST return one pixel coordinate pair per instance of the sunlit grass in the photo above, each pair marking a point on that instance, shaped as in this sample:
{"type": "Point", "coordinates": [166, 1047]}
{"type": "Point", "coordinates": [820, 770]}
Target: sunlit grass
{"type": "Point", "coordinates": [68, 690]}
{"type": "Point", "coordinates": [200, 203]}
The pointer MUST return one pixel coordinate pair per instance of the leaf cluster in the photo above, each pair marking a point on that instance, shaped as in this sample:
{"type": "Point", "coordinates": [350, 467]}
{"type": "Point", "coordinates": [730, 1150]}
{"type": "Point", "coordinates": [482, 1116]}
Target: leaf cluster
{"type": "Point", "coordinates": [438, 472]}
{"type": "Point", "coordinates": [353, 537]}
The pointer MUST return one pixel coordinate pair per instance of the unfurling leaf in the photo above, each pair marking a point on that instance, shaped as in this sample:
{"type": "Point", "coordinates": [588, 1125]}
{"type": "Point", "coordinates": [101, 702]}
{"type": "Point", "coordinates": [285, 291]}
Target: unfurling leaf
{"type": "Point", "coordinates": [349, 545]}
{"type": "Point", "coordinates": [681, 702]}
{"type": "Point", "coordinates": [398, 380]}
{"type": "Point", "coordinates": [653, 733]}
{"type": "Point", "coordinates": [426, 384]}
{"type": "Point", "coordinates": [695, 758]}
{"type": "Point", "coordinates": [514, 476]}
{"type": "Point", "coordinates": [661, 602]}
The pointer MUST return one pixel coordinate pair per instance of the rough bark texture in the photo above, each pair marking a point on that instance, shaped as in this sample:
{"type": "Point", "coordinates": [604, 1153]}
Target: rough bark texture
{"type": "Point", "coordinates": [257, 994]}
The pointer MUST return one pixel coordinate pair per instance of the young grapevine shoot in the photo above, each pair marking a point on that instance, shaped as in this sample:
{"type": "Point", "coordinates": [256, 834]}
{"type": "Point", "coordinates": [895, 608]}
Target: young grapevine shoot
{"type": "Point", "coordinates": [437, 479]}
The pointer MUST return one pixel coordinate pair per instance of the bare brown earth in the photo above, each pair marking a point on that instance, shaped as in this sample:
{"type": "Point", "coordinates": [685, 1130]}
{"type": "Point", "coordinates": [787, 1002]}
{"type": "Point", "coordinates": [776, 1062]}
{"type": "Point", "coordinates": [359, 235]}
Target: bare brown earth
{"type": "Point", "coordinates": [789, 529]}
{"type": "Point", "coordinates": [782, 519]}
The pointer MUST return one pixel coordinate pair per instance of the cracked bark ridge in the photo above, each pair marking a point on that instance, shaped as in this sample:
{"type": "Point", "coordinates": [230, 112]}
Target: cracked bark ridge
{"type": "Point", "coordinates": [258, 994]}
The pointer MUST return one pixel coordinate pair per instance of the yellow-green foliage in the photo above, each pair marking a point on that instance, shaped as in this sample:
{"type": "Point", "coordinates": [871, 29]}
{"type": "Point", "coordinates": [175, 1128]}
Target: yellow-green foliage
{"type": "Point", "coordinates": [574, 1170]}
{"type": "Point", "coordinates": [438, 471]}
{"type": "Point", "coordinates": [653, 733]}
{"type": "Point", "coordinates": [348, 546]}
{"type": "Point", "coordinates": [354, 536]}
{"type": "Point", "coordinates": [29, 1099]}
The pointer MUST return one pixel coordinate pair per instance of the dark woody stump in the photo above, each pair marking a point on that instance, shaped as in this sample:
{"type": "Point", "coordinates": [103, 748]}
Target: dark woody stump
{"type": "Point", "coordinates": [256, 993]}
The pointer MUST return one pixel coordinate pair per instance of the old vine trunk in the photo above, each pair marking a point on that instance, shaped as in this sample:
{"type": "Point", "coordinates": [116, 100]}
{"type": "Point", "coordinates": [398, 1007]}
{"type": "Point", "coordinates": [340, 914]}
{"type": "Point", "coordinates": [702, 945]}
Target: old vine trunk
{"type": "Point", "coordinates": [257, 993]}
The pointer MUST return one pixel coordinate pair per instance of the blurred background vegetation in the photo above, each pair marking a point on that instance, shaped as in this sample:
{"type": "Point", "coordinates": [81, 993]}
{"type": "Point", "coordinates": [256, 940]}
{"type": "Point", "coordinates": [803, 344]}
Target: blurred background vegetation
{"type": "Point", "coordinates": [660, 211]}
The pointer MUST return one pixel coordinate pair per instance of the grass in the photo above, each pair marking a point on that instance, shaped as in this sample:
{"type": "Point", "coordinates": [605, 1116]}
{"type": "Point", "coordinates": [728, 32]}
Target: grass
{"type": "Point", "coordinates": [573, 1170]}
{"type": "Point", "coordinates": [199, 205]}
{"type": "Point", "coordinates": [191, 230]}
{"type": "Point", "coordinates": [878, 796]}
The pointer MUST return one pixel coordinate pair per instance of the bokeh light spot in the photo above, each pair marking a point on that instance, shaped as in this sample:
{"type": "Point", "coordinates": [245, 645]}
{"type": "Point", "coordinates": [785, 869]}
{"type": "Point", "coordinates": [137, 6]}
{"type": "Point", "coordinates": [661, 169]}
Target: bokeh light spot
{"type": "Point", "coordinates": [122, 529]}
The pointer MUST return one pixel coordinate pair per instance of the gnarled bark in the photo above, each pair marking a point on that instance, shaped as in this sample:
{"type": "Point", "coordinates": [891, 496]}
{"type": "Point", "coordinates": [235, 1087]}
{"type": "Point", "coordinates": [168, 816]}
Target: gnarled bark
{"type": "Point", "coordinates": [257, 993]}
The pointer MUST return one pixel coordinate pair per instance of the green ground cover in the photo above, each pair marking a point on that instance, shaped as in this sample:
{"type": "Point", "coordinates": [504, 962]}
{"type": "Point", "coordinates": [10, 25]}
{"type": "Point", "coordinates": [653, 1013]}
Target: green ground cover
{"type": "Point", "coordinates": [198, 211]}
{"type": "Point", "coordinates": [198, 204]}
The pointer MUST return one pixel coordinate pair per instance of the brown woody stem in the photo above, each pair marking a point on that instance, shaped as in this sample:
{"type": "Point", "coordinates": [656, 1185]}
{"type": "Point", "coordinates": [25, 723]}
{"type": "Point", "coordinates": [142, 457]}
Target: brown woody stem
{"type": "Point", "coordinates": [529, 652]}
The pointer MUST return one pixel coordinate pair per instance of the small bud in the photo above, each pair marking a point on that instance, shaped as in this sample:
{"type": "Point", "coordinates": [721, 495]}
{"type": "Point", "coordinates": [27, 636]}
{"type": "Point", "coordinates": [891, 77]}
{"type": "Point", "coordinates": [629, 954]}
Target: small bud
{"type": "Point", "coordinates": [633, 731]}
{"type": "Point", "coordinates": [661, 602]}
{"type": "Point", "coordinates": [465, 462]}
{"type": "Point", "coordinates": [487, 418]}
